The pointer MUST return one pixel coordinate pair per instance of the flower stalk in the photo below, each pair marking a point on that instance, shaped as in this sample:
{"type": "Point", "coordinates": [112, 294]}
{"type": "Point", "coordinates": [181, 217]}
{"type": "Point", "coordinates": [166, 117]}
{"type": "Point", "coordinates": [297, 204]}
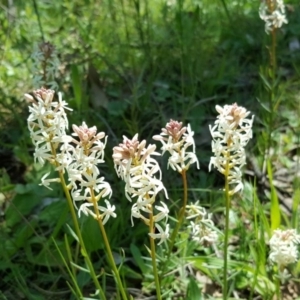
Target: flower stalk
{"type": "Point", "coordinates": [47, 124]}
{"type": "Point", "coordinates": [272, 12]}
{"type": "Point", "coordinates": [153, 257]}
{"type": "Point", "coordinates": [226, 236]}
{"type": "Point", "coordinates": [108, 251]}
{"type": "Point", "coordinates": [231, 133]}
{"type": "Point", "coordinates": [176, 139]}
{"type": "Point", "coordinates": [81, 241]}
{"type": "Point", "coordinates": [142, 176]}
{"type": "Point", "coordinates": [181, 213]}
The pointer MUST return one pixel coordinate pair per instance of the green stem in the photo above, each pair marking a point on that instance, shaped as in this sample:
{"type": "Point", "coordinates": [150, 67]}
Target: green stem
{"type": "Point", "coordinates": [153, 257]}
{"type": "Point", "coordinates": [81, 242]}
{"type": "Point", "coordinates": [108, 249]}
{"type": "Point", "coordinates": [273, 53]}
{"type": "Point", "coordinates": [181, 213]}
{"type": "Point", "coordinates": [272, 75]}
{"type": "Point", "coordinates": [227, 207]}
{"type": "Point", "coordinates": [77, 228]}
{"type": "Point", "coordinates": [226, 10]}
{"type": "Point", "coordinates": [178, 224]}
{"type": "Point", "coordinates": [272, 90]}
{"type": "Point", "coordinates": [278, 292]}
{"type": "Point", "coordinates": [39, 19]}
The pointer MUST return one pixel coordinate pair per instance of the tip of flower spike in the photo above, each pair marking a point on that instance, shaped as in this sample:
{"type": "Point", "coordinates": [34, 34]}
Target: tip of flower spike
{"type": "Point", "coordinates": [45, 94]}
{"type": "Point", "coordinates": [29, 98]}
{"type": "Point", "coordinates": [87, 134]}
{"type": "Point", "coordinates": [157, 138]}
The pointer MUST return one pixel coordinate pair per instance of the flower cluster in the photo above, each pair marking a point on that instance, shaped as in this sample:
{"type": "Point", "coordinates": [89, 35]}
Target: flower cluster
{"type": "Point", "coordinates": [203, 228]}
{"type": "Point", "coordinates": [231, 133]}
{"type": "Point", "coordinates": [283, 247]}
{"type": "Point", "coordinates": [47, 123]}
{"type": "Point", "coordinates": [134, 164]}
{"type": "Point", "coordinates": [272, 12]}
{"type": "Point", "coordinates": [83, 173]}
{"type": "Point", "coordinates": [176, 139]}
{"type": "Point", "coordinates": [45, 58]}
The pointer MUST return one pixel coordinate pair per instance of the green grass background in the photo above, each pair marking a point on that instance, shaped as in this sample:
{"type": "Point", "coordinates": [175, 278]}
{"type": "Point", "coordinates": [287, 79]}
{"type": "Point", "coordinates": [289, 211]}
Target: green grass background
{"type": "Point", "coordinates": [129, 66]}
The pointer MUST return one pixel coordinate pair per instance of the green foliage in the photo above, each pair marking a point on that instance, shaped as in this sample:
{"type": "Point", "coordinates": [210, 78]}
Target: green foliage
{"type": "Point", "coordinates": [128, 67]}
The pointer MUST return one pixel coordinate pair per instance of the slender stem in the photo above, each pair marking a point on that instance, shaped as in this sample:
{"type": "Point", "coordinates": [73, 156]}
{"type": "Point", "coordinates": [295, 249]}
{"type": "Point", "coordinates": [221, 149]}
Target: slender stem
{"type": "Point", "coordinates": [271, 93]}
{"type": "Point", "coordinates": [77, 229]}
{"type": "Point", "coordinates": [278, 282]}
{"type": "Point", "coordinates": [108, 249]}
{"type": "Point", "coordinates": [227, 206]}
{"type": "Point", "coordinates": [153, 257]}
{"type": "Point", "coordinates": [226, 10]}
{"type": "Point", "coordinates": [81, 242]}
{"type": "Point", "coordinates": [39, 19]}
{"type": "Point", "coordinates": [272, 74]}
{"type": "Point", "coordinates": [181, 213]}
{"type": "Point", "coordinates": [180, 220]}
{"type": "Point", "coordinates": [273, 53]}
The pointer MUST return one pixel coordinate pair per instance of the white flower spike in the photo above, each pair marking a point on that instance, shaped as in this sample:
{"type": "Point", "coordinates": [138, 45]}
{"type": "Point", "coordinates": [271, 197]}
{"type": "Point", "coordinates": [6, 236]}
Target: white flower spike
{"type": "Point", "coordinates": [142, 176]}
{"type": "Point", "coordinates": [283, 247]}
{"type": "Point", "coordinates": [272, 12]}
{"type": "Point", "coordinates": [231, 133]}
{"type": "Point", "coordinates": [175, 140]}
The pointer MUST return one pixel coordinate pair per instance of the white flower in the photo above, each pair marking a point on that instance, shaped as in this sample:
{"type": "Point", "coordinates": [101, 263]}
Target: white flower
{"type": "Point", "coordinates": [64, 159]}
{"type": "Point", "coordinates": [175, 140]}
{"type": "Point", "coordinates": [46, 182]}
{"type": "Point", "coordinates": [203, 234]}
{"type": "Point", "coordinates": [47, 123]}
{"type": "Point", "coordinates": [78, 196]}
{"type": "Point", "coordinates": [42, 154]}
{"type": "Point", "coordinates": [84, 208]}
{"type": "Point", "coordinates": [273, 13]}
{"type": "Point", "coordinates": [283, 247]}
{"type": "Point", "coordinates": [163, 235]}
{"type": "Point", "coordinates": [108, 211]}
{"type": "Point", "coordinates": [142, 176]}
{"type": "Point", "coordinates": [231, 133]}
{"type": "Point", "coordinates": [136, 212]}
{"type": "Point", "coordinates": [163, 212]}
{"type": "Point", "coordinates": [202, 227]}
{"type": "Point", "coordinates": [84, 175]}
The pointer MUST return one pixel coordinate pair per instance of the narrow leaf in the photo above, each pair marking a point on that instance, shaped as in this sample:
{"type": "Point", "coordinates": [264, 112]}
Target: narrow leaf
{"type": "Point", "coordinates": [136, 253]}
{"type": "Point", "coordinates": [73, 233]}
{"type": "Point", "coordinates": [275, 208]}
{"type": "Point", "coordinates": [295, 206]}
{"type": "Point", "coordinates": [76, 84]}
{"type": "Point", "coordinates": [79, 267]}
{"type": "Point", "coordinates": [193, 291]}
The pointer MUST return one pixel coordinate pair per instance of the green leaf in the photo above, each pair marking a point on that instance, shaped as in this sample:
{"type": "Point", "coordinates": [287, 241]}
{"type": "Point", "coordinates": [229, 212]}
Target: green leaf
{"type": "Point", "coordinates": [130, 273]}
{"type": "Point", "coordinates": [91, 234]}
{"type": "Point", "coordinates": [193, 291]}
{"type": "Point", "coordinates": [79, 267]}
{"type": "Point", "coordinates": [137, 255]}
{"type": "Point", "coordinates": [265, 81]}
{"type": "Point", "coordinates": [275, 208]}
{"type": "Point", "coordinates": [76, 84]}
{"type": "Point", "coordinates": [295, 210]}
{"type": "Point", "coordinates": [73, 233]}
{"type": "Point", "coordinates": [264, 106]}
